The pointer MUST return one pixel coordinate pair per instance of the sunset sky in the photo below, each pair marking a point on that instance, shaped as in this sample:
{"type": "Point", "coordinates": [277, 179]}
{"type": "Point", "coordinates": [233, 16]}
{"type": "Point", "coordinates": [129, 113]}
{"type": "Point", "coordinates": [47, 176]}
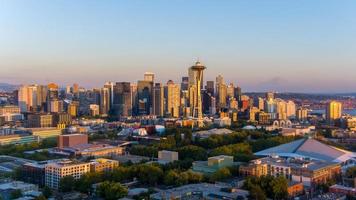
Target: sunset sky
{"type": "Point", "coordinates": [282, 45]}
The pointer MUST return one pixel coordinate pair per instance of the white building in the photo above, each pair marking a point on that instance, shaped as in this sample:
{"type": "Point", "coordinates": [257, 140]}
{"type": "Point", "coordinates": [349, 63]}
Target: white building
{"type": "Point", "coordinates": [57, 170]}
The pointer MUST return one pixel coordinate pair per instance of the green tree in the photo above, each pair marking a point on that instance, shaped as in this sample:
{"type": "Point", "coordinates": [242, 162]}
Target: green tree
{"type": "Point", "coordinates": [149, 174]}
{"type": "Point", "coordinates": [192, 152]}
{"type": "Point", "coordinates": [111, 190]}
{"type": "Point", "coordinates": [256, 193]}
{"type": "Point", "coordinates": [351, 172]}
{"type": "Point", "coordinates": [46, 191]}
{"type": "Point", "coordinates": [171, 177]}
{"type": "Point", "coordinates": [15, 194]}
{"type": "Point", "coordinates": [280, 188]}
{"type": "Point", "coordinates": [41, 197]}
{"type": "Point", "coordinates": [84, 184]}
{"type": "Point", "coordinates": [220, 175]}
{"type": "Point", "coordinates": [66, 184]}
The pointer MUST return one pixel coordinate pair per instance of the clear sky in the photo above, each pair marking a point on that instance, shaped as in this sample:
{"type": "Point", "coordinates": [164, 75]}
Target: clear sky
{"type": "Point", "coordinates": [282, 45]}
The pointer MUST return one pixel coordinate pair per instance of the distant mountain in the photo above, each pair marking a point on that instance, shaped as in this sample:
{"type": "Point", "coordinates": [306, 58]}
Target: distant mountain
{"type": "Point", "coordinates": [6, 87]}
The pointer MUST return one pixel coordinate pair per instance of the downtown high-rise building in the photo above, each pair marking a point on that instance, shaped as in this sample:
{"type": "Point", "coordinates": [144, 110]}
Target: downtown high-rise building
{"type": "Point", "coordinates": [27, 98]}
{"type": "Point", "coordinates": [333, 111]}
{"type": "Point", "coordinates": [172, 95]}
{"type": "Point", "coordinates": [110, 87]}
{"type": "Point", "coordinates": [149, 76]}
{"type": "Point", "coordinates": [122, 105]}
{"type": "Point", "coordinates": [144, 97]}
{"type": "Point", "coordinates": [291, 109]}
{"type": "Point", "coordinates": [105, 101]}
{"type": "Point", "coordinates": [185, 83]}
{"type": "Point", "coordinates": [210, 87]}
{"type": "Point", "coordinates": [158, 100]}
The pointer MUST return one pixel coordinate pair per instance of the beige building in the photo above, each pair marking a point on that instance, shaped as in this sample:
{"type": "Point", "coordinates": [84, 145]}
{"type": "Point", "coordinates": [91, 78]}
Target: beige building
{"type": "Point", "coordinates": [54, 172]}
{"type": "Point", "coordinates": [102, 164]}
{"type": "Point", "coordinates": [173, 99]}
{"type": "Point", "coordinates": [333, 111]}
{"type": "Point", "coordinates": [40, 121]}
{"type": "Point", "coordinates": [167, 156]}
{"type": "Point", "coordinates": [94, 109]}
{"type": "Point", "coordinates": [9, 109]}
{"type": "Point", "coordinates": [302, 114]}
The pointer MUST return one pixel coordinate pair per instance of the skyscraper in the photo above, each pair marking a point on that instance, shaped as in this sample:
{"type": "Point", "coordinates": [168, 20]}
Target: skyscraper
{"type": "Point", "coordinates": [27, 98]}
{"type": "Point", "coordinates": [261, 103]}
{"type": "Point", "coordinates": [230, 91]}
{"type": "Point", "coordinates": [52, 91]}
{"type": "Point", "coordinates": [110, 86]}
{"type": "Point", "coordinates": [210, 87]}
{"type": "Point", "coordinates": [104, 101]}
{"type": "Point", "coordinates": [269, 95]}
{"type": "Point", "coordinates": [302, 114]}
{"type": "Point", "coordinates": [185, 83]}
{"type": "Point", "coordinates": [198, 69]}
{"type": "Point", "coordinates": [173, 99]}
{"type": "Point", "coordinates": [122, 106]}
{"type": "Point", "coordinates": [333, 111]}
{"type": "Point", "coordinates": [158, 100]}
{"type": "Point", "coordinates": [291, 110]}
{"type": "Point", "coordinates": [222, 95]}
{"type": "Point", "coordinates": [149, 76]}
{"type": "Point", "coordinates": [144, 95]}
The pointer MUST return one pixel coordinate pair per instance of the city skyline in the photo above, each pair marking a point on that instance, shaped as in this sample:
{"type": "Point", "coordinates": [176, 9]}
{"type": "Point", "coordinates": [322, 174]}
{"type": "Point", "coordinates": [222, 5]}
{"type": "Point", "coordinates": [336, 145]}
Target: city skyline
{"type": "Point", "coordinates": [289, 46]}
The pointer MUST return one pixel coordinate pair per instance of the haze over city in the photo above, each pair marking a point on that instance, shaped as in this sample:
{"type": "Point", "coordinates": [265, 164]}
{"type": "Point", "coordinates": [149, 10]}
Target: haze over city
{"type": "Point", "coordinates": [287, 46]}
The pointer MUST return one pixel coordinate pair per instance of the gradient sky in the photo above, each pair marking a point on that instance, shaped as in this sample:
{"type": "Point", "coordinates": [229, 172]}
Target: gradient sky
{"type": "Point", "coordinates": [282, 45]}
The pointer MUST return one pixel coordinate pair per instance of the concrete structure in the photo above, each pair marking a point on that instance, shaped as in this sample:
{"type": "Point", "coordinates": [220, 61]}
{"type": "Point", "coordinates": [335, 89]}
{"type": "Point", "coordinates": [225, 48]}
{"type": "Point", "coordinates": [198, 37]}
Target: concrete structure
{"type": "Point", "coordinates": [167, 156]}
{"type": "Point", "coordinates": [213, 164]}
{"type": "Point", "coordinates": [72, 140]}
{"type": "Point", "coordinates": [55, 171]}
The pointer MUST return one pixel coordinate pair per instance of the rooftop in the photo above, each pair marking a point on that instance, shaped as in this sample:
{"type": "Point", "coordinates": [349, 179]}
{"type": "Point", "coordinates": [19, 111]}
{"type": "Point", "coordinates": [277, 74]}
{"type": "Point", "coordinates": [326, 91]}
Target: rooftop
{"type": "Point", "coordinates": [309, 148]}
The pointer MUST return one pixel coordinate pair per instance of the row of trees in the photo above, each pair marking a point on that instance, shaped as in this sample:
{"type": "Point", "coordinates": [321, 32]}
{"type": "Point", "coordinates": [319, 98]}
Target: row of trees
{"type": "Point", "coordinates": [234, 144]}
{"type": "Point", "coordinates": [174, 174]}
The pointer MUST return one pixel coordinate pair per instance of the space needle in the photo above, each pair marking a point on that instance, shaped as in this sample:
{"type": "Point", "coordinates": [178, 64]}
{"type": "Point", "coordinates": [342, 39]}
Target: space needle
{"type": "Point", "coordinates": [198, 69]}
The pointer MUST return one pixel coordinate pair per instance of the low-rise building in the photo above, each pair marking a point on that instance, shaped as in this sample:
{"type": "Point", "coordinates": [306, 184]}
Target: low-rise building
{"type": "Point", "coordinates": [102, 164]}
{"type": "Point", "coordinates": [18, 139]}
{"type": "Point", "coordinates": [44, 133]}
{"type": "Point", "coordinates": [309, 172]}
{"type": "Point", "coordinates": [213, 164]}
{"type": "Point", "coordinates": [55, 171]}
{"type": "Point", "coordinates": [72, 140]}
{"type": "Point", "coordinates": [94, 150]}
{"type": "Point", "coordinates": [339, 189]}
{"type": "Point", "coordinates": [208, 133]}
{"type": "Point", "coordinates": [201, 191]}
{"type": "Point", "coordinates": [167, 156]}
{"type": "Point", "coordinates": [39, 120]}
{"type": "Point", "coordinates": [8, 187]}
